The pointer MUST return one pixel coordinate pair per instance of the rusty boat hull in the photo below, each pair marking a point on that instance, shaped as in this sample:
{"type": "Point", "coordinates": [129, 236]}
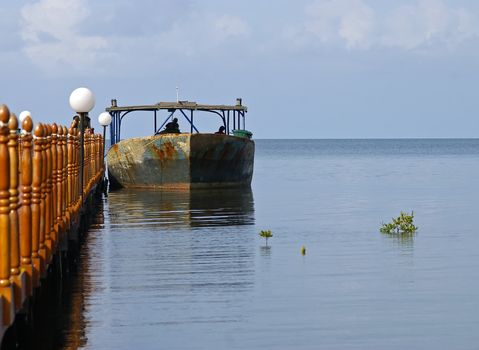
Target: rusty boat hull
{"type": "Point", "coordinates": [181, 161]}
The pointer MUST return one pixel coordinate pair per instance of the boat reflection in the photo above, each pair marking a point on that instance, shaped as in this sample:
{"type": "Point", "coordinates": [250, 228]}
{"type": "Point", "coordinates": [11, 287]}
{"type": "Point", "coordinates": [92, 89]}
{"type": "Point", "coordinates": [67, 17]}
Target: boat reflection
{"type": "Point", "coordinates": [192, 208]}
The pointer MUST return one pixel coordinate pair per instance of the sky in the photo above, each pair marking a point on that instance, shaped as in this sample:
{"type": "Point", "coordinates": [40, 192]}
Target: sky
{"type": "Point", "coordinates": [304, 68]}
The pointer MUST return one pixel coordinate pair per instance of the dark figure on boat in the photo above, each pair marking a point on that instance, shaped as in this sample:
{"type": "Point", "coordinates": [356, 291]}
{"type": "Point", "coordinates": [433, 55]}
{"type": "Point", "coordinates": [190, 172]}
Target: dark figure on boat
{"type": "Point", "coordinates": [171, 127]}
{"type": "Point", "coordinates": [221, 130]}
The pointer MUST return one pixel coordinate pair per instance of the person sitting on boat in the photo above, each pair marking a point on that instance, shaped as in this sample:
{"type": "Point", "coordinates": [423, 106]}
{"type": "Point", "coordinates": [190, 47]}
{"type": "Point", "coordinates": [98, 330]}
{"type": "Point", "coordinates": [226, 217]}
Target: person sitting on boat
{"type": "Point", "coordinates": [171, 127]}
{"type": "Point", "coordinates": [221, 130]}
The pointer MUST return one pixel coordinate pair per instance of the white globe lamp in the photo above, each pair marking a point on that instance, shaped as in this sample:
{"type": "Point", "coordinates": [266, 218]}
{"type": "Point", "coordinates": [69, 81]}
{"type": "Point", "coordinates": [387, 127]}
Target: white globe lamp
{"type": "Point", "coordinates": [104, 119]}
{"type": "Point", "coordinates": [82, 100]}
{"type": "Point", "coordinates": [23, 115]}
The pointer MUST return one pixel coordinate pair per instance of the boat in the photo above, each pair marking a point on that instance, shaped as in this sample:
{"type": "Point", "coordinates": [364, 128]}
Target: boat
{"type": "Point", "coordinates": [171, 160]}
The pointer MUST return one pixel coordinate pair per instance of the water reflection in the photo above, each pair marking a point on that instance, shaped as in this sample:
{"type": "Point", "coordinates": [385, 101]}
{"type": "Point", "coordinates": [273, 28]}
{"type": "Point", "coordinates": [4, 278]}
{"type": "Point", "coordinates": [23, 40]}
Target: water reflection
{"type": "Point", "coordinates": [403, 240]}
{"type": "Point", "coordinates": [57, 319]}
{"type": "Point", "coordinates": [163, 264]}
{"type": "Point", "coordinates": [194, 208]}
{"type": "Point", "coordinates": [265, 251]}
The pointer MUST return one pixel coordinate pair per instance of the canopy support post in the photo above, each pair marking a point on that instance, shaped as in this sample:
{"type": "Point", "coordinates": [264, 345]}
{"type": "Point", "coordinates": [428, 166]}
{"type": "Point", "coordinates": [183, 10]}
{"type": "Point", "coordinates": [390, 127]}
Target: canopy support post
{"type": "Point", "coordinates": [228, 123]}
{"type": "Point", "coordinates": [191, 114]}
{"type": "Point", "coordinates": [190, 121]}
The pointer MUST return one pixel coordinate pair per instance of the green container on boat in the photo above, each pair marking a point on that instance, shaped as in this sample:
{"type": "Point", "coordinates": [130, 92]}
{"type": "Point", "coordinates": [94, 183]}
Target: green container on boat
{"type": "Point", "coordinates": [243, 133]}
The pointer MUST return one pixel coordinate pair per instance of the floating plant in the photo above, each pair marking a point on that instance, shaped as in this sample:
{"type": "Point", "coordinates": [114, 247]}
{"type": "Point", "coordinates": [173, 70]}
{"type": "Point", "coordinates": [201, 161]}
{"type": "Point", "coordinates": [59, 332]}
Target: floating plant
{"type": "Point", "coordinates": [403, 224]}
{"type": "Point", "coordinates": [266, 234]}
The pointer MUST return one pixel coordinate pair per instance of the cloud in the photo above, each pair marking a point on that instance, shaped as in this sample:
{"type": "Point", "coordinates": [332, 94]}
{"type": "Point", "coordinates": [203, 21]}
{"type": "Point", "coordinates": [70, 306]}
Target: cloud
{"type": "Point", "coordinates": [129, 19]}
{"type": "Point", "coordinates": [202, 32]}
{"type": "Point", "coordinates": [9, 30]}
{"type": "Point", "coordinates": [57, 18]}
{"type": "Point", "coordinates": [428, 22]}
{"type": "Point", "coordinates": [349, 21]}
{"type": "Point", "coordinates": [231, 26]}
{"type": "Point", "coordinates": [354, 24]}
{"type": "Point", "coordinates": [59, 35]}
{"type": "Point", "coordinates": [51, 36]}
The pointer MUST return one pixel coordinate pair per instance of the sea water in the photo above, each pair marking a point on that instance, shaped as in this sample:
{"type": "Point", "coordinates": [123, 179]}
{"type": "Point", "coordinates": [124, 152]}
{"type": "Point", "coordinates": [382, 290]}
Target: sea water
{"type": "Point", "coordinates": [166, 270]}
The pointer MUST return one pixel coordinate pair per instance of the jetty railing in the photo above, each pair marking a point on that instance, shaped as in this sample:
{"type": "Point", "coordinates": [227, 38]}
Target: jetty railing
{"type": "Point", "coordinates": [41, 200]}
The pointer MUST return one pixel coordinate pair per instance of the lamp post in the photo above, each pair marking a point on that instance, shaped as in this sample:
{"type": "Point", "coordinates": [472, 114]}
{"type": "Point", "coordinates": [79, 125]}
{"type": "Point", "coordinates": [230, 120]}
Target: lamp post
{"type": "Point", "coordinates": [104, 119]}
{"type": "Point", "coordinates": [82, 101]}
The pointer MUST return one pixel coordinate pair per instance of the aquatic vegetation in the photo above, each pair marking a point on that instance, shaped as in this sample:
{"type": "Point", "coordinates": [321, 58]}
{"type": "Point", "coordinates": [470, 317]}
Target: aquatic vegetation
{"type": "Point", "coordinates": [266, 234]}
{"type": "Point", "coordinates": [403, 224]}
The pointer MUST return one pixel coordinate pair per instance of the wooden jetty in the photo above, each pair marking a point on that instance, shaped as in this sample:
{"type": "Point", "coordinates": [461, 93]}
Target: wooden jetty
{"type": "Point", "coordinates": [42, 196]}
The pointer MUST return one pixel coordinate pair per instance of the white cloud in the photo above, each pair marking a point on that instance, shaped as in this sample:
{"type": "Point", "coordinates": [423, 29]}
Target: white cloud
{"type": "Point", "coordinates": [231, 26]}
{"type": "Point", "coordinates": [357, 25]}
{"type": "Point", "coordinates": [51, 36]}
{"type": "Point", "coordinates": [59, 37]}
{"type": "Point", "coordinates": [57, 18]}
{"type": "Point", "coordinates": [201, 32]}
{"type": "Point", "coordinates": [350, 21]}
{"type": "Point", "coordinates": [428, 22]}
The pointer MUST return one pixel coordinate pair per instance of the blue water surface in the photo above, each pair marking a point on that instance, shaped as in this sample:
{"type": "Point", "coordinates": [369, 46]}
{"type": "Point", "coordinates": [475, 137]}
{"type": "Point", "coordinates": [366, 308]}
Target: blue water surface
{"type": "Point", "coordinates": [189, 271]}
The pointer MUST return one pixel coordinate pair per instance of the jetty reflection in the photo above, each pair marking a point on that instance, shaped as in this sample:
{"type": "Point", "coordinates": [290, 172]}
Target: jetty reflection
{"type": "Point", "coordinates": [192, 208]}
{"type": "Point", "coordinates": [56, 318]}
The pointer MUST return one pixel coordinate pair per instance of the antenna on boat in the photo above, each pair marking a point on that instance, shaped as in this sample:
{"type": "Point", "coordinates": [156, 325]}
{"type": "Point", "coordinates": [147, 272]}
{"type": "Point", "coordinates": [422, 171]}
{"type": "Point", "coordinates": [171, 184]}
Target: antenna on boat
{"type": "Point", "coordinates": [177, 94]}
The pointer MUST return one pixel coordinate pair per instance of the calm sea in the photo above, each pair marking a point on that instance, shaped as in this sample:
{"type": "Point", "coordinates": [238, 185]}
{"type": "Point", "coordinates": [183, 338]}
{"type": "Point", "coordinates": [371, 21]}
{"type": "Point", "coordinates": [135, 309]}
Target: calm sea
{"type": "Point", "coordinates": [189, 271]}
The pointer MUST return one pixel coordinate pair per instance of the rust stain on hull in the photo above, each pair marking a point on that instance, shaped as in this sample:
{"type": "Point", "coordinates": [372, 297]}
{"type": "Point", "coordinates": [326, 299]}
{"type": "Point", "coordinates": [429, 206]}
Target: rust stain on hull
{"type": "Point", "coordinates": [164, 151]}
{"type": "Point", "coordinates": [182, 161]}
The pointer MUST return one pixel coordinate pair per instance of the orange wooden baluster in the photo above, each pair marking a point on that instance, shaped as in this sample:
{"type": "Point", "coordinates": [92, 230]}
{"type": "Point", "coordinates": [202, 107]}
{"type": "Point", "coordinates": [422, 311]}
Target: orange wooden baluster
{"type": "Point", "coordinates": [65, 219]}
{"type": "Point", "coordinates": [101, 151]}
{"type": "Point", "coordinates": [96, 169]}
{"type": "Point", "coordinates": [64, 177]}
{"type": "Point", "coordinates": [59, 156]}
{"type": "Point", "coordinates": [42, 252]}
{"type": "Point", "coordinates": [72, 180]}
{"type": "Point", "coordinates": [77, 170]}
{"type": "Point", "coordinates": [54, 233]}
{"type": "Point", "coordinates": [80, 173]}
{"type": "Point", "coordinates": [95, 156]}
{"type": "Point", "coordinates": [6, 290]}
{"type": "Point", "coordinates": [36, 200]}
{"type": "Point", "coordinates": [85, 155]}
{"type": "Point", "coordinates": [48, 198]}
{"type": "Point", "coordinates": [25, 212]}
{"type": "Point", "coordinates": [87, 160]}
{"type": "Point", "coordinates": [100, 154]}
{"type": "Point", "coordinates": [85, 163]}
{"type": "Point", "coordinates": [66, 215]}
{"type": "Point", "coordinates": [75, 180]}
{"type": "Point", "coordinates": [14, 204]}
{"type": "Point", "coordinates": [90, 162]}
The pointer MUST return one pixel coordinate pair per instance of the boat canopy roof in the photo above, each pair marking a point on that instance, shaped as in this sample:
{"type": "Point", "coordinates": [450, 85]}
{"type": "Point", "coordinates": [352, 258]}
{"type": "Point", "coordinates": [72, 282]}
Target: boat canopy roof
{"type": "Point", "coordinates": [188, 105]}
{"type": "Point", "coordinates": [232, 117]}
